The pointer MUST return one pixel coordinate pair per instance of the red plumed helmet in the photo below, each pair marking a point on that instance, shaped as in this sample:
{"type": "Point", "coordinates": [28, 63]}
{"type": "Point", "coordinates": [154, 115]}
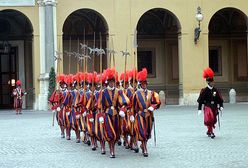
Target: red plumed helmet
{"type": "Point", "coordinates": [61, 78]}
{"type": "Point", "coordinates": [69, 79]}
{"type": "Point", "coordinates": [208, 74]}
{"type": "Point", "coordinates": [142, 75]}
{"type": "Point", "coordinates": [83, 76]}
{"type": "Point", "coordinates": [89, 77]}
{"type": "Point", "coordinates": [18, 83]}
{"type": "Point", "coordinates": [122, 76]}
{"type": "Point", "coordinates": [76, 78]}
{"type": "Point", "coordinates": [97, 78]}
{"type": "Point", "coordinates": [111, 74]}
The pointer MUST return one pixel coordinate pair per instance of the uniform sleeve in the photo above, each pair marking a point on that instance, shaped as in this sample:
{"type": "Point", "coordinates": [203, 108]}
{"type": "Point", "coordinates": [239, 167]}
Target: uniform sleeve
{"type": "Point", "coordinates": [89, 102]}
{"type": "Point", "coordinates": [101, 101]}
{"type": "Point", "coordinates": [200, 99]}
{"type": "Point", "coordinates": [51, 99]}
{"type": "Point", "coordinates": [155, 100]}
{"type": "Point", "coordinates": [135, 104]}
{"type": "Point", "coordinates": [123, 100]}
{"type": "Point", "coordinates": [220, 99]}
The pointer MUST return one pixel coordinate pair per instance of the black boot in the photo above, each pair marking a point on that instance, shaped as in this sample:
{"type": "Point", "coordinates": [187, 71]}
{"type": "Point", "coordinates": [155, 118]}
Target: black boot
{"type": "Point", "coordinates": [212, 135]}
{"type": "Point", "coordinates": [208, 134]}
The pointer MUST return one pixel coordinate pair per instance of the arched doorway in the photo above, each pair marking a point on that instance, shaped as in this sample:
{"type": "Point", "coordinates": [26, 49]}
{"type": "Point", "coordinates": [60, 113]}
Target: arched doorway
{"type": "Point", "coordinates": [16, 37]}
{"type": "Point", "coordinates": [79, 26]}
{"type": "Point", "coordinates": [228, 51]}
{"type": "Point", "coordinates": [157, 34]}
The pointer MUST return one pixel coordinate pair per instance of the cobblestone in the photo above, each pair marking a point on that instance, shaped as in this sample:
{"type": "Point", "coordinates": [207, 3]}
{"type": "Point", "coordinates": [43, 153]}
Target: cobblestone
{"type": "Point", "coordinates": [29, 140]}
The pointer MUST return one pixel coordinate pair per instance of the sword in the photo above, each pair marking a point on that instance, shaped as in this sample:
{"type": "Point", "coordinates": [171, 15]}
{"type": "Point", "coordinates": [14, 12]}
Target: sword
{"type": "Point", "coordinates": [154, 132]}
{"type": "Point", "coordinates": [218, 117]}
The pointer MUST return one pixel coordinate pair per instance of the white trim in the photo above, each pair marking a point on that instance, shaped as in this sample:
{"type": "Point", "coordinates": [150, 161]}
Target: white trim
{"type": "Point", "coordinates": [17, 3]}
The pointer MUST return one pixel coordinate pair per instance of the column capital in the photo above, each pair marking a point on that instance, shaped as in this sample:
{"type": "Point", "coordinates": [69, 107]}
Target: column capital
{"type": "Point", "coordinates": [47, 2]}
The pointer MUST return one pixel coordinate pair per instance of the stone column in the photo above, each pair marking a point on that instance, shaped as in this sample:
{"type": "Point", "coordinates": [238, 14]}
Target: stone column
{"type": "Point", "coordinates": [49, 34]}
{"type": "Point", "coordinates": [192, 60]}
{"type": "Point", "coordinates": [46, 22]}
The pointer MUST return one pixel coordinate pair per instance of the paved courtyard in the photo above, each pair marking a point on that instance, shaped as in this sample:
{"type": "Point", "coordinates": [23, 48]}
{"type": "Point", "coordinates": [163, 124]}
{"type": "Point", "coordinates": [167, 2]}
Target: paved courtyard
{"type": "Point", "coordinates": [29, 140]}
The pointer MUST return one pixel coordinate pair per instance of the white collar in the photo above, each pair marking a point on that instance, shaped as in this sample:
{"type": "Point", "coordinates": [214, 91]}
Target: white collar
{"type": "Point", "coordinates": [210, 87]}
{"type": "Point", "coordinates": [109, 88]}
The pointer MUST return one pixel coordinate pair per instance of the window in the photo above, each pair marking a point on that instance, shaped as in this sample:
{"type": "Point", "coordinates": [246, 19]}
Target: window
{"type": "Point", "coordinates": [146, 59]}
{"type": "Point", "coordinates": [215, 60]}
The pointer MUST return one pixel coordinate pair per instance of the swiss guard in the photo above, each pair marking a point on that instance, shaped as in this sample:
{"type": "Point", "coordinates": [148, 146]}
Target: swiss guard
{"type": "Point", "coordinates": [18, 93]}
{"type": "Point", "coordinates": [56, 100]}
{"type": "Point", "coordinates": [112, 102]}
{"type": "Point", "coordinates": [212, 100]}
{"type": "Point", "coordinates": [145, 102]}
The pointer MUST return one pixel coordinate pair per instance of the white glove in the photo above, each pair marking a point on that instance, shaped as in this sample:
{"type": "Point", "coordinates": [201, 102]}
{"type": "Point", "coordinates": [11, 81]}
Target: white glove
{"type": "Point", "coordinates": [25, 93]}
{"type": "Point", "coordinates": [199, 112]}
{"type": "Point", "coordinates": [91, 120]}
{"type": "Point", "coordinates": [53, 111]}
{"type": "Point", "coordinates": [122, 114]}
{"type": "Point", "coordinates": [78, 116]}
{"type": "Point", "coordinates": [221, 108]}
{"type": "Point", "coordinates": [132, 118]}
{"type": "Point", "coordinates": [84, 114]}
{"type": "Point", "coordinates": [58, 109]}
{"type": "Point", "coordinates": [151, 109]}
{"type": "Point", "coordinates": [101, 119]}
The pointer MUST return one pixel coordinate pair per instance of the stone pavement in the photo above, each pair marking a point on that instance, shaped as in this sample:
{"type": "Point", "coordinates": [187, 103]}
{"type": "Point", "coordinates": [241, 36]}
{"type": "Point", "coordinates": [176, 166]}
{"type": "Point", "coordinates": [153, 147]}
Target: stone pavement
{"type": "Point", "coordinates": [29, 140]}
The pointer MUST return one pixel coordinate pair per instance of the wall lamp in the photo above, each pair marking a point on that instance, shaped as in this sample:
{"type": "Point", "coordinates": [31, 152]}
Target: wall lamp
{"type": "Point", "coordinates": [199, 18]}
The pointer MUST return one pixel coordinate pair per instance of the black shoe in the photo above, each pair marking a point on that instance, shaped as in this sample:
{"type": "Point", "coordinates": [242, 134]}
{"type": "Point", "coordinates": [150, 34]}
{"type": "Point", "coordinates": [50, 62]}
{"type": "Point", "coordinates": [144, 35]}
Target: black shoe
{"type": "Point", "coordinates": [212, 136]}
{"type": "Point", "coordinates": [62, 135]}
{"type": "Point", "coordinates": [208, 134]}
{"type": "Point", "coordinates": [78, 141]}
{"type": "Point", "coordinates": [88, 142]}
{"type": "Point", "coordinates": [145, 154]}
{"type": "Point", "coordinates": [103, 152]}
{"type": "Point", "coordinates": [119, 143]}
{"type": "Point", "coordinates": [94, 148]}
{"type": "Point", "coordinates": [127, 147]}
{"type": "Point", "coordinates": [136, 150]}
{"type": "Point", "coordinates": [112, 156]}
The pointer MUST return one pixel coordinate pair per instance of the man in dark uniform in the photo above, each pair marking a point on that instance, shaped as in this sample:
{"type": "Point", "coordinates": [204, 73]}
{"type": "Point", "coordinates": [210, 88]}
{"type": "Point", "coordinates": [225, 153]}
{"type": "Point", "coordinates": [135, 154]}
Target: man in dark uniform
{"type": "Point", "coordinates": [212, 100]}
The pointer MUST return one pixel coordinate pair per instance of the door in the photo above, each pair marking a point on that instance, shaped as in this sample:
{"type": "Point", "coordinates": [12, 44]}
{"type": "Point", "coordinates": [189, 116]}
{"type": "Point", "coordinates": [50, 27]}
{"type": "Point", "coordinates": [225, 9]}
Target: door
{"type": "Point", "coordinates": [8, 76]}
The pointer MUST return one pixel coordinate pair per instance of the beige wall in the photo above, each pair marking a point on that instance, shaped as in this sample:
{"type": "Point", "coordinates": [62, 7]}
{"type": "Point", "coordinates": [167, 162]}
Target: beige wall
{"type": "Point", "coordinates": [122, 18]}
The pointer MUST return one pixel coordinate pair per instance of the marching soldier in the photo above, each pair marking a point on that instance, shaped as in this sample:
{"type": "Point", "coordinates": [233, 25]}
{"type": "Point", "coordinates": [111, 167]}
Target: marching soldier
{"type": "Point", "coordinates": [67, 103]}
{"type": "Point", "coordinates": [110, 101]}
{"type": "Point", "coordinates": [123, 120]}
{"type": "Point", "coordinates": [211, 98]}
{"type": "Point", "coordinates": [144, 104]}
{"type": "Point", "coordinates": [90, 117]}
{"type": "Point", "coordinates": [18, 93]}
{"type": "Point", "coordinates": [100, 115]}
{"type": "Point", "coordinates": [130, 113]}
{"type": "Point", "coordinates": [56, 100]}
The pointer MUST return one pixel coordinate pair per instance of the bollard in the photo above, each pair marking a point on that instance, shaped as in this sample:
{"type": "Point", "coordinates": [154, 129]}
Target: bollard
{"type": "Point", "coordinates": [232, 96]}
{"type": "Point", "coordinates": [162, 97]}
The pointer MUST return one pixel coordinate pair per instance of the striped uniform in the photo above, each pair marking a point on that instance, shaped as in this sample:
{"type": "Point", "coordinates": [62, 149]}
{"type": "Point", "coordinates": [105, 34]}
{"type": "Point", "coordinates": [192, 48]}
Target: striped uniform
{"type": "Point", "coordinates": [143, 99]}
{"type": "Point", "coordinates": [99, 127]}
{"type": "Point", "coordinates": [109, 102]}
{"type": "Point", "coordinates": [56, 100]}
